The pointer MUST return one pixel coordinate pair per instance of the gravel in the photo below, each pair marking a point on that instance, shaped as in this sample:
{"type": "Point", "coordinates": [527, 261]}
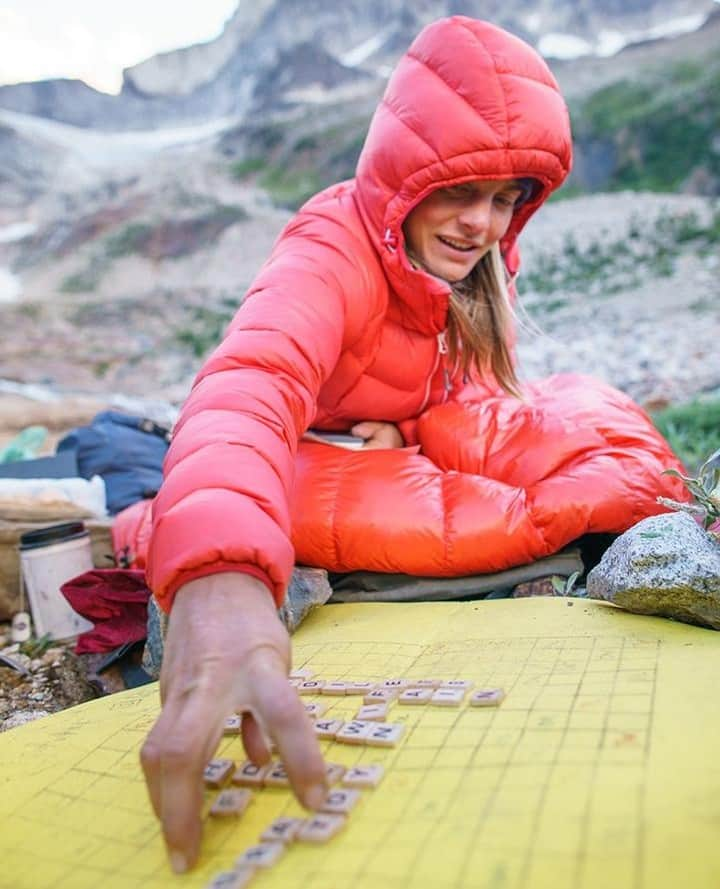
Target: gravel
{"type": "Point", "coordinates": [656, 340]}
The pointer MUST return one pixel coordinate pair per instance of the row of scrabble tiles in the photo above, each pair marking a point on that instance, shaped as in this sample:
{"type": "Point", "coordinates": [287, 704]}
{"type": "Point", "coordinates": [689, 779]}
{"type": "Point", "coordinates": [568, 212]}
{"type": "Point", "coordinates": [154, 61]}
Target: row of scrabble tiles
{"type": "Point", "coordinates": [220, 772]}
{"type": "Point", "coordinates": [341, 687]}
{"type": "Point", "coordinates": [318, 828]}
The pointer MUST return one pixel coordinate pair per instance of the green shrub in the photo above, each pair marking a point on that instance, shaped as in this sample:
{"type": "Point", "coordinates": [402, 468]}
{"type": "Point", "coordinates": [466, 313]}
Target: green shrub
{"type": "Point", "coordinates": [248, 167]}
{"type": "Point", "coordinates": [693, 430]}
{"type": "Point", "coordinates": [84, 281]}
{"type": "Point", "coordinates": [127, 240]}
{"type": "Point", "coordinates": [662, 127]}
{"type": "Point", "coordinates": [290, 188]}
{"type": "Point", "coordinates": [207, 327]}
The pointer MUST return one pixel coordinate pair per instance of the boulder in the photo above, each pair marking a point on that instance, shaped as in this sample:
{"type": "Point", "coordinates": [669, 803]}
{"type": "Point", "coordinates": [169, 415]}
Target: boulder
{"type": "Point", "coordinates": [665, 565]}
{"type": "Point", "coordinates": [309, 587]}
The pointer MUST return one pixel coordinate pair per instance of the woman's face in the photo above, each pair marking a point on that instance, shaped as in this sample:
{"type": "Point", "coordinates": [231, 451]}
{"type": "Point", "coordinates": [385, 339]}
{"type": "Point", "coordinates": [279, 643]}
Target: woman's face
{"type": "Point", "coordinates": [453, 228]}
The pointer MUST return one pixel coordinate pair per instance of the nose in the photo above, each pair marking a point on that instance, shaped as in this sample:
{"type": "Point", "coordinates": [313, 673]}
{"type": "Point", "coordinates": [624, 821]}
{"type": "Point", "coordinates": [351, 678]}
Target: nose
{"type": "Point", "coordinates": [475, 218]}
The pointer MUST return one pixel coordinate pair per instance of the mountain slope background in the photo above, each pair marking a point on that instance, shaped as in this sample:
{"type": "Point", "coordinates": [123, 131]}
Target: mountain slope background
{"type": "Point", "coordinates": [130, 226]}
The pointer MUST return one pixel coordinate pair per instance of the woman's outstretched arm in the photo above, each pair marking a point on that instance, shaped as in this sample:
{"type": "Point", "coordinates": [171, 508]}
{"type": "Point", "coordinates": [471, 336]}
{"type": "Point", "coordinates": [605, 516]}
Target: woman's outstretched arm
{"type": "Point", "coordinates": [226, 652]}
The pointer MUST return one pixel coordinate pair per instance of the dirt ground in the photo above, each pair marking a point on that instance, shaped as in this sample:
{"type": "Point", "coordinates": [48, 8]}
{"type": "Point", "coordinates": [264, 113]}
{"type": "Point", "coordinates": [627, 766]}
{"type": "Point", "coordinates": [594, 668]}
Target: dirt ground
{"type": "Point", "coordinates": [37, 679]}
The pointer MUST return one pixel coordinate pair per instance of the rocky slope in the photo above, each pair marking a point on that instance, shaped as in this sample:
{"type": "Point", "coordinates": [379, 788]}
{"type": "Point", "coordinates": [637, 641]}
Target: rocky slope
{"type": "Point", "coordinates": [124, 253]}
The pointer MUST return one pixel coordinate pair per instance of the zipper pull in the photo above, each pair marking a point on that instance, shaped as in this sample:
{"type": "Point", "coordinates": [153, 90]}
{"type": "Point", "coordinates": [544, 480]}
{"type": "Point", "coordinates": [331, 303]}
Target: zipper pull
{"type": "Point", "coordinates": [443, 350]}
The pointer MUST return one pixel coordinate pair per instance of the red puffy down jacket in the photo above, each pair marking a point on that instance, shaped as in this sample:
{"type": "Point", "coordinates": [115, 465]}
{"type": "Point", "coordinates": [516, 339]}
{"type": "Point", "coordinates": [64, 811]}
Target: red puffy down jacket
{"type": "Point", "coordinates": [338, 327]}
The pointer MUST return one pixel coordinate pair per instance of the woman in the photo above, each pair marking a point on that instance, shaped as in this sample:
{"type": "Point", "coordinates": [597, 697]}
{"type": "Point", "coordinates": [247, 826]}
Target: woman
{"type": "Point", "coordinates": [384, 308]}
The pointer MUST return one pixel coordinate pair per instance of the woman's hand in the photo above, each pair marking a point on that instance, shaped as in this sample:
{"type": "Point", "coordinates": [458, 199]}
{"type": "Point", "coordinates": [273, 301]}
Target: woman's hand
{"type": "Point", "coordinates": [378, 435]}
{"type": "Point", "coordinates": [226, 652]}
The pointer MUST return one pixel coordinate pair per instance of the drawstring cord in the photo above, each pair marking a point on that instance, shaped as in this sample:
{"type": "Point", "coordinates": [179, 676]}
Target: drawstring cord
{"type": "Point", "coordinates": [389, 241]}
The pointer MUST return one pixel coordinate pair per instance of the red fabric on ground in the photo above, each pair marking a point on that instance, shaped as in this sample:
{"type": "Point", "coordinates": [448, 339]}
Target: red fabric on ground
{"type": "Point", "coordinates": [115, 600]}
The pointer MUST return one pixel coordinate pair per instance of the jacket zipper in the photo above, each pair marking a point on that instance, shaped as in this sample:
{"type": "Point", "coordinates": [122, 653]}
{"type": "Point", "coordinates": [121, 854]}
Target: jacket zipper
{"type": "Point", "coordinates": [442, 350]}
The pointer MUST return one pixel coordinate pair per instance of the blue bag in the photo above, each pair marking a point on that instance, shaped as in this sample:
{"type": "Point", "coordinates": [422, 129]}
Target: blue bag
{"type": "Point", "coordinates": [127, 451]}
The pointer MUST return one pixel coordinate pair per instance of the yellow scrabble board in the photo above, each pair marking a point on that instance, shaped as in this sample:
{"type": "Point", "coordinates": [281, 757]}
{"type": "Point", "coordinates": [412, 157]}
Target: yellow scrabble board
{"type": "Point", "coordinates": [601, 768]}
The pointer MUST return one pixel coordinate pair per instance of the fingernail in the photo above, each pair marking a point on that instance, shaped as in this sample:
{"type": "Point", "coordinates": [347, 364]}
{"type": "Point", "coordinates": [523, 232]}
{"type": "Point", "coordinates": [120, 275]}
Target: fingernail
{"type": "Point", "coordinates": [178, 862]}
{"type": "Point", "coordinates": [316, 796]}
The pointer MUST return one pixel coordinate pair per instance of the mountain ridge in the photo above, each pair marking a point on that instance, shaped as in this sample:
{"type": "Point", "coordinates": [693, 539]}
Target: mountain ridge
{"type": "Point", "coordinates": [229, 76]}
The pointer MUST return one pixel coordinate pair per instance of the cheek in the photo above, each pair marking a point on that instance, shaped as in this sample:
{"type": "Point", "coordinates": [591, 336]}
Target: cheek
{"type": "Point", "coordinates": [416, 227]}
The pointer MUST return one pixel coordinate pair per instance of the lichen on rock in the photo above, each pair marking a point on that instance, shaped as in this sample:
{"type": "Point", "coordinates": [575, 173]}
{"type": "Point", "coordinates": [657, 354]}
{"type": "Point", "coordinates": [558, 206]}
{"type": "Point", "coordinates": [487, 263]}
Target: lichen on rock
{"type": "Point", "coordinates": [665, 565]}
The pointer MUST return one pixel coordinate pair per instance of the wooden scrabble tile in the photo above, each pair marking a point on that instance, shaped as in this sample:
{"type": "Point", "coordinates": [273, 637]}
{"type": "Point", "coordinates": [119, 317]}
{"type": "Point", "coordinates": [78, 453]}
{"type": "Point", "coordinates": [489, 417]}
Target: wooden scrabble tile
{"type": "Point", "coordinates": [372, 713]}
{"type": "Point", "coordinates": [250, 775]}
{"type": "Point", "coordinates": [396, 683]}
{"type": "Point", "coordinates": [354, 732]}
{"type": "Point", "coordinates": [333, 772]}
{"type": "Point", "coordinates": [277, 776]}
{"type": "Point", "coordinates": [314, 710]}
{"type": "Point", "coordinates": [385, 734]}
{"type": "Point", "coordinates": [261, 855]}
{"type": "Point", "coordinates": [465, 684]}
{"type": "Point", "coordinates": [310, 687]}
{"type": "Point", "coordinates": [363, 776]}
{"type": "Point", "coordinates": [282, 830]}
{"type": "Point", "coordinates": [415, 695]}
{"type": "Point", "coordinates": [321, 828]}
{"type": "Point", "coordinates": [334, 687]}
{"type": "Point", "coordinates": [447, 697]}
{"type": "Point", "coordinates": [378, 695]}
{"type": "Point", "coordinates": [360, 688]}
{"type": "Point", "coordinates": [487, 697]}
{"type": "Point", "coordinates": [425, 683]}
{"type": "Point", "coordinates": [231, 803]}
{"type": "Point", "coordinates": [232, 879]}
{"type": "Point", "coordinates": [296, 683]}
{"type": "Point", "coordinates": [340, 802]}
{"type": "Point", "coordinates": [232, 724]}
{"type": "Point", "coordinates": [217, 772]}
{"type": "Point", "coordinates": [327, 728]}
{"type": "Point", "coordinates": [303, 673]}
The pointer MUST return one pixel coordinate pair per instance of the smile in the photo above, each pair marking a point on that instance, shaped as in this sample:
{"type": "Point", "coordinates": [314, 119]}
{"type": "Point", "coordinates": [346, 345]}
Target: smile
{"type": "Point", "coordinates": [457, 245]}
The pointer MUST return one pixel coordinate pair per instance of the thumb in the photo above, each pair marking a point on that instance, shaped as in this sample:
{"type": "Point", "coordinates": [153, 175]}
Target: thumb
{"type": "Point", "coordinates": [366, 429]}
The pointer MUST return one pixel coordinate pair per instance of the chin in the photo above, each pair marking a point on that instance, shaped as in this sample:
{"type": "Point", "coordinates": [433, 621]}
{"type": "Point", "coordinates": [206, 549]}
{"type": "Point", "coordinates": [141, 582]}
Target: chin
{"type": "Point", "coordinates": [451, 274]}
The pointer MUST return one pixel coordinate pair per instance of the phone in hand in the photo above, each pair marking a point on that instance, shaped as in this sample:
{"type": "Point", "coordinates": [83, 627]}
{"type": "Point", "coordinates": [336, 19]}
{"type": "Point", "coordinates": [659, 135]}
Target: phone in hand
{"type": "Point", "coordinates": [338, 439]}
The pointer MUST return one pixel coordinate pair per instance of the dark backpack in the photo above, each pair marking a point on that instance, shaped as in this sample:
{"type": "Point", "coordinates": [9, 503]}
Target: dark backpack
{"type": "Point", "coordinates": [127, 451]}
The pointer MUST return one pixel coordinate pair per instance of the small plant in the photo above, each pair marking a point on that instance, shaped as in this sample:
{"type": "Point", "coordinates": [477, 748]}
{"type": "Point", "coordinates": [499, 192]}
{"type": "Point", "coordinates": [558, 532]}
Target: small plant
{"type": "Point", "coordinates": [705, 488]}
{"type": "Point", "coordinates": [34, 648]}
{"type": "Point", "coordinates": [564, 586]}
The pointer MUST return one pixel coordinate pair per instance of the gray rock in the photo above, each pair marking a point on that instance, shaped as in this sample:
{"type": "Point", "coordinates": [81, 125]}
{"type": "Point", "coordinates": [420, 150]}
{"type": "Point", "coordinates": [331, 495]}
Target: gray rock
{"type": "Point", "coordinates": [309, 587]}
{"type": "Point", "coordinates": [665, 565]}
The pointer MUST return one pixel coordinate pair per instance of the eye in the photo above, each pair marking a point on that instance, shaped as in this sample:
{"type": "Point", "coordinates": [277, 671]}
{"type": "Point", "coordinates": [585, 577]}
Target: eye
{"type": "Point", "coordinates": [507, 199]}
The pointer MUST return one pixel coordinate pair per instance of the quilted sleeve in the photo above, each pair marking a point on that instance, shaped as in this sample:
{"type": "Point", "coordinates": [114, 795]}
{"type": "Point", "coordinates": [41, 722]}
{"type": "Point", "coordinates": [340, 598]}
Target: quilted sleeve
{"type": "Point", "coordinates": [224, 502]}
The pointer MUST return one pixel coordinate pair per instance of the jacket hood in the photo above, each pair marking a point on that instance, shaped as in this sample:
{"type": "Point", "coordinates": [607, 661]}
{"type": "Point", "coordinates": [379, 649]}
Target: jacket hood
{"type": "Point", "coordinates": [467, 101]}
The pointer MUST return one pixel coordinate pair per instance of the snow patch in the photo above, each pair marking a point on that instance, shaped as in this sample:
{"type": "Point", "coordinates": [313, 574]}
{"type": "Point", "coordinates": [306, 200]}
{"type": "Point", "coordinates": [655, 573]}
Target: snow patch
{"type": "Point", "coordinates": [16, 232]}
{"type": "Point", "coordinates": [316, 94]}
{"type": "Point", "coordinates": [683, 25]}
{"type": "Point", "coordinates": [568, 46]}
{"type": "Point", "coordinates": [101, 149]}
{"type": "Point", "coordinates": [365, 49]}
{"type": "Point", "coordinates": [563, 46]}
{"type": "Point", "coordinates": [10, 287]}
{"type": "Point", "coordinates": [610, 42]}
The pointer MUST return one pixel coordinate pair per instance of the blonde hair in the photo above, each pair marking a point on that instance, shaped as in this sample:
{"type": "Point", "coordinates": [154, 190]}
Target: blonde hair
{"type": "Point", "coordinates": [480, 321]}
